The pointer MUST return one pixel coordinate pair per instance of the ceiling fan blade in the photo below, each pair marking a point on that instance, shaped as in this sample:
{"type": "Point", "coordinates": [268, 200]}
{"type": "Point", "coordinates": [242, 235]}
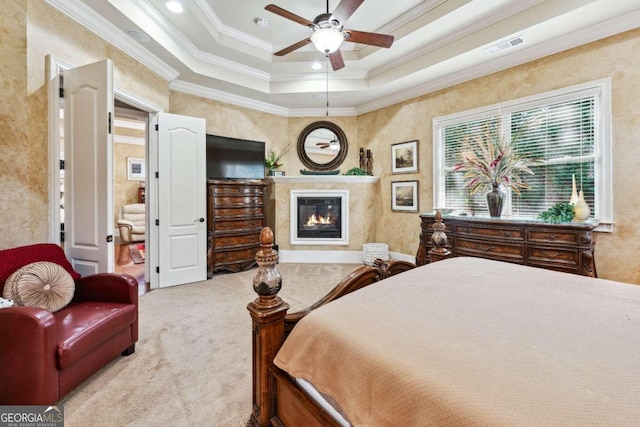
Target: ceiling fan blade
{"type": "Point", "coordinates": [288, 15]}
{"type": "Point", "coordinates": [345, 9]}
{"type": "Point", "coordinates": [336, 60]}
{"type": "Point", "coordinates": [323, 144]}
{"type": "Point", "coordinates": [293, 47]}
{"type": "Point", "coordinates": [373, 39]}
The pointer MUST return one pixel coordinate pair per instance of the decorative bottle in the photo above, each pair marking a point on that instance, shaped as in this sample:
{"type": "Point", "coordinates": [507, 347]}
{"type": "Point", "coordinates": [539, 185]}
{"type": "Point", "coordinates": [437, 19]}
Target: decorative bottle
{"type": "Point", "coordinates": [574, 192]}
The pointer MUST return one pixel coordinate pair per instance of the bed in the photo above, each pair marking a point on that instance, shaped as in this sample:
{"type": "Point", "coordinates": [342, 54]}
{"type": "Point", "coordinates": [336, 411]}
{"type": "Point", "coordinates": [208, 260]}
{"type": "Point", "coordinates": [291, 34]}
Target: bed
{"type": "Point", "coordinates": [462, 341]}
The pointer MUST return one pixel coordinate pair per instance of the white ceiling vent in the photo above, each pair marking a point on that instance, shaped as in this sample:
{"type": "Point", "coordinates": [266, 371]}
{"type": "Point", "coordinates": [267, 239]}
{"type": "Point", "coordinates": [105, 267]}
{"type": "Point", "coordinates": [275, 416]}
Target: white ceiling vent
{"type": "Point", "coordinates": [504, 45]}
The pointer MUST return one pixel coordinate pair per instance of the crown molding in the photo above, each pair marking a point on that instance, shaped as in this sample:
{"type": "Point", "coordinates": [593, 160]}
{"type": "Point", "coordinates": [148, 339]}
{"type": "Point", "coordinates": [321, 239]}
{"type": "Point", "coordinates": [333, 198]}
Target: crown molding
{"type": "Point", "coordinates": [587, 35]}
{"type": "Point", "coordinates": [218, 95]}
{"type": "Point", "coordinates": [89, 19]}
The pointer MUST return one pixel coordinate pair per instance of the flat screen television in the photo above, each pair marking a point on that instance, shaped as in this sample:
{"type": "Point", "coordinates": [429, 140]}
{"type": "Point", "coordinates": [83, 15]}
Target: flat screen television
{"type": "Point", "coordinates": [233, 158]}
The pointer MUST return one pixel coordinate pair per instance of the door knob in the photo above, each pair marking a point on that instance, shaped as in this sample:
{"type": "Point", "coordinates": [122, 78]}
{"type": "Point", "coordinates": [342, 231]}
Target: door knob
{"type": "Point", "coordinates": [200, 220]}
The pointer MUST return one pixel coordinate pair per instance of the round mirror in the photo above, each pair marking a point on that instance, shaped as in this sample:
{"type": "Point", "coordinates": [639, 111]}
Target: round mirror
{"type": "Point", "coordinates": [322, 146]}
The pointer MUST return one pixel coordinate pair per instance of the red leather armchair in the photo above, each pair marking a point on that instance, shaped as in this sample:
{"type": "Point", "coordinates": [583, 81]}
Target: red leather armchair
{"type": "Point", "coordinates": [44, 355]}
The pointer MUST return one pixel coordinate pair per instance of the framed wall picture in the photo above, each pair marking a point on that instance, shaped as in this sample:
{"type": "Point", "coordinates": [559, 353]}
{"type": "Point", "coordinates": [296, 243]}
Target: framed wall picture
{"type": "Point", "coordinates": [135, 169]}
{"type": "Point", "coordinates": [404, 196]}
{"type": "Point", "coordinates": [404, 157]}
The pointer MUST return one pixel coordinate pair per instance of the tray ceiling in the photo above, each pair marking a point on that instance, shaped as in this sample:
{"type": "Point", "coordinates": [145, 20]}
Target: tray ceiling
{"type": "Point", "coordinates": [215, 48]}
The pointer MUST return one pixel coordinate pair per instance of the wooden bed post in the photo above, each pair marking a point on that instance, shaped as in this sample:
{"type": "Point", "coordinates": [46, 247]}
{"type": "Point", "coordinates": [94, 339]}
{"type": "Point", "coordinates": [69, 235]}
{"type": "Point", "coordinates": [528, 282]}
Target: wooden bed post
{"type": "Point", "coordinates": [439, 239]}
{"type": "Point", "coordinates": [267, 314]}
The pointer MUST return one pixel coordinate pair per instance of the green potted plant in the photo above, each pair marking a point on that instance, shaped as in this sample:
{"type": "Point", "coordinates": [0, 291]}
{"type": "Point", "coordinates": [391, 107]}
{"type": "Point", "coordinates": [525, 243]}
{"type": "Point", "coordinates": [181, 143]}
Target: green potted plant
{"type": "Point", "coordinates": [560, 212]}
{"type": "Point", "coordinates": [272, 161]}
{"type": "Point", "coordinates": [488, 161]}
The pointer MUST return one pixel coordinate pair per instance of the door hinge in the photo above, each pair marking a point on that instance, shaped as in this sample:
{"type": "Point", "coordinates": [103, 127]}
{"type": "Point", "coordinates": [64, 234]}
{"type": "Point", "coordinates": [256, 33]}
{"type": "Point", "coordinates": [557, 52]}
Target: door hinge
{"type": "Point", "coordinates": [157, 269]}
{"type": "Point", "coordinates": [109, 122]}
{"type": "Point", "coordinates": [157, 127]}
{"type": "Point", "coordinates": [157, 174]}
{"type": "Point", "coordinates": [109, 238]}
{"type": "Point", "coordinates": [157, 222]}
{"type": "Point", "coordinates": [61, 165]}
{"type": "Point", "coordinates": [61, 92]}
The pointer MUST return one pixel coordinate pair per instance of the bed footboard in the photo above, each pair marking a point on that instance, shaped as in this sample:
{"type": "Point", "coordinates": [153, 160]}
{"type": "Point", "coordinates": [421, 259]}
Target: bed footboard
{"type": "Point", "coordinates": [270, 326]}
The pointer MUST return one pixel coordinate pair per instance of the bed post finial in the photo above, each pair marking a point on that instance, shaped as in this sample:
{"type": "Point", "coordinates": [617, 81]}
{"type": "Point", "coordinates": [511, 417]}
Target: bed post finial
{"type": "Point", "coordinates": [439, 240]}
{"type": "Point", "coordinates": [267, 281]}
{"type": "Point", "coordinates": [267, 315]}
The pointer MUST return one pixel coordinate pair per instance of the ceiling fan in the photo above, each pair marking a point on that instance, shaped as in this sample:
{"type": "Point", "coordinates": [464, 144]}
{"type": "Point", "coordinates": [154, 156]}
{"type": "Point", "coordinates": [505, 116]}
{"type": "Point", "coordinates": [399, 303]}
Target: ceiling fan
{"type": "Point", "coordinates": [331, 144]}
{"type": "Point", "coordinates": [329, 33]}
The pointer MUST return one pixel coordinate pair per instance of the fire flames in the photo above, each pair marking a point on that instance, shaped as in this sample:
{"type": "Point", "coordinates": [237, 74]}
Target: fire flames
{"type": "Point", "coordinates": [319, 219]}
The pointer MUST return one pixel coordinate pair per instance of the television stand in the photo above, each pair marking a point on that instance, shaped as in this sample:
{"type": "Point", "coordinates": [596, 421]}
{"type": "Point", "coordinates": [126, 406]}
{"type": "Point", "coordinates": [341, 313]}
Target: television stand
{"type": "Point", "coordinates": [235, 218]}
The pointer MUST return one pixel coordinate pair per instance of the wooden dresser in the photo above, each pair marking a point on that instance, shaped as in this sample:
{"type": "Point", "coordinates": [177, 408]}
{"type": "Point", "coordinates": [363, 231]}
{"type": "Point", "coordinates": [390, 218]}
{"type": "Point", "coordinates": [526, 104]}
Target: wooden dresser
{"type": "Point", "coordinates": [564, 247]}
{"type": "Point", "coordinates": [235, 218]}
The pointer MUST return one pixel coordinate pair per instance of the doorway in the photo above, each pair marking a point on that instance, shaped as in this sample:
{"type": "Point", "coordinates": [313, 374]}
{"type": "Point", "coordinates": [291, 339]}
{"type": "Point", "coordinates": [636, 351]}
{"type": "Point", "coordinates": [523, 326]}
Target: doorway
{"type": "Point", "coordinates": [130, 136]}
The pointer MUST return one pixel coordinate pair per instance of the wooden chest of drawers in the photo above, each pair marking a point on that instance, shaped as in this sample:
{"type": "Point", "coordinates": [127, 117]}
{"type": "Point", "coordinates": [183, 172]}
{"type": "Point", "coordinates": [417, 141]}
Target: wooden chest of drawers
{"type": "Point", "coordinates": [564, 247]}
{"type": "Point", "coordinates": [235, 218]}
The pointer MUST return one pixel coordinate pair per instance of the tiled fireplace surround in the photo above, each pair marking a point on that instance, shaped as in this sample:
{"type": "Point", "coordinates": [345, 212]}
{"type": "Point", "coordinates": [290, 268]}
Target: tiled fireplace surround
{"type": "Point", "coordinates": [363, 204]}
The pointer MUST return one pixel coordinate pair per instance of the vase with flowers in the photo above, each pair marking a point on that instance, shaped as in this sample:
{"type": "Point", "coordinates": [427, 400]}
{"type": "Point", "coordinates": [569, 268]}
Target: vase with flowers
{"type": "Point", "coordinates": [489, 162]}
{"type": "Point", "coordinates": [272, 160]}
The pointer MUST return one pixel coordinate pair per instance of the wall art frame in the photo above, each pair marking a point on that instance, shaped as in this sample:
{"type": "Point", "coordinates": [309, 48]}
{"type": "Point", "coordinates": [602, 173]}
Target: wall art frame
{"type": "Point", "coordinates": [404, 157]}
{"type": "Point", "coordinates": [404, 196]}
{"type": "Point", "coordinates": [135, 169]}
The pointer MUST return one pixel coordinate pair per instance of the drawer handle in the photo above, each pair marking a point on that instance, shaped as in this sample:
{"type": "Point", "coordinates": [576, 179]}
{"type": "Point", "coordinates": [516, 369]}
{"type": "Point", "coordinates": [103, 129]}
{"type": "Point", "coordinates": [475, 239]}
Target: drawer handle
{"type": "Point", "coordinates": [550, 255]}
{"type": "Point", "coordinates": [506, 234]}
{"type": "Point", "coordinates": [551, 237]}
{"type": "Point", "coordinates": [485, 248]}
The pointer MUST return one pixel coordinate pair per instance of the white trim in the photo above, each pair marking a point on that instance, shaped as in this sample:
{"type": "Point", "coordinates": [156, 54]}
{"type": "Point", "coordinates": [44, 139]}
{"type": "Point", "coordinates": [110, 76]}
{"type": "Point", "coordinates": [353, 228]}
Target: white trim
{"type": "Point", "coordinates": [344, 217]}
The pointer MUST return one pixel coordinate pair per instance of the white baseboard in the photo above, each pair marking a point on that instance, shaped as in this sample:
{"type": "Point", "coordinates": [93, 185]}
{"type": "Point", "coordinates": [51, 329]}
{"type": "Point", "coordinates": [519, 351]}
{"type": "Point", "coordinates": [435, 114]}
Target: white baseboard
{"type": "Point", "coordinates": [333, 257]}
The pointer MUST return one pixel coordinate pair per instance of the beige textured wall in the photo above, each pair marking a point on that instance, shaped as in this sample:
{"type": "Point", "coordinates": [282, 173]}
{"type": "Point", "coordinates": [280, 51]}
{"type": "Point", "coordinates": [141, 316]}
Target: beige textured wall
{"type": "Point", "coordinates": [615, 57]}
{"type": "Point", "coordinates": [21, 189]}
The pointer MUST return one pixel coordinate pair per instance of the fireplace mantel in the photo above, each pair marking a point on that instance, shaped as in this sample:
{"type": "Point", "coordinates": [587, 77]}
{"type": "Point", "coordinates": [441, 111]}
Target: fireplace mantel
{"type": "Point", "coordinates": [329, 179]}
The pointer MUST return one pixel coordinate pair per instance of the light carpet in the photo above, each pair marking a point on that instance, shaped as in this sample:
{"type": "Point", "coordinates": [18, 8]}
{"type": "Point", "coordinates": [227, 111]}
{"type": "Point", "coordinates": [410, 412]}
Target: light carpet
{"type": "Point", "coordinates": [192, 365]}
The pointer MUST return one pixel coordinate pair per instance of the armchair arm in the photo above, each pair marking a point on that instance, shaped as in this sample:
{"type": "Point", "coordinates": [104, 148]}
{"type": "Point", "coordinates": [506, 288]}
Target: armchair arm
{"type": "Point", "coordinates": [126, 229]}
{"type": "Point", "coordinates": [107, 287]}
{"type": "Point", "coordinates": [28, 357]}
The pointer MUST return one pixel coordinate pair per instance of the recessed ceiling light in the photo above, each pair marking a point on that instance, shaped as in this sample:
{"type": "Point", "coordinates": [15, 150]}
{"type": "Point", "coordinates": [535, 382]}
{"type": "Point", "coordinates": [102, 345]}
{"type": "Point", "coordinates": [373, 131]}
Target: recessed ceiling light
{"type": "Point", "coordinates": [261, 22]}
{"type": "Point", "coordinates": [138, 36]}
{"type": "Point", "coordinates": [316, 65]}
{"type": "Point", "coordinates": [174, 6]}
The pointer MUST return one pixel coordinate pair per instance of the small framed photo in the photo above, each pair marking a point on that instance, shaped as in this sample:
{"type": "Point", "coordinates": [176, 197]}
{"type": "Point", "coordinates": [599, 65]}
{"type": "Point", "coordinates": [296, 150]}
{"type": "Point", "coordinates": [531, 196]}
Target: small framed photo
{"type": "Point", "coordinates": [135, 169]}
{"type": "Point", "coordinates": [404, 157]}
{"type": "Point", "coordinates": [404, 196]}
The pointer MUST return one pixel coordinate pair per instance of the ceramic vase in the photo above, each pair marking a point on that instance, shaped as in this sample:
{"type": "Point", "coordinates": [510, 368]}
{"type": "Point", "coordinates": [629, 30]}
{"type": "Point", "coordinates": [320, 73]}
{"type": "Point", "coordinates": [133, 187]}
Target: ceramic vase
{"type": "Point", "coordinates": [581, 210]}
{"type": "Point", "coordinates": [495, 200]}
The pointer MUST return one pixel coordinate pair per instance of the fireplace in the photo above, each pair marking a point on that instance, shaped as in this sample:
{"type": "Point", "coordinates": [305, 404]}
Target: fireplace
{"type": "Point", "coordinates": [320, 217]}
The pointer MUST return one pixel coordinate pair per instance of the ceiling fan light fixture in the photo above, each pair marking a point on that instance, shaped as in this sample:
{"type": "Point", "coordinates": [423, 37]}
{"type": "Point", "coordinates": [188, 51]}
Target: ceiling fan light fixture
{"type": "Point", "coordinates": [327, 40]}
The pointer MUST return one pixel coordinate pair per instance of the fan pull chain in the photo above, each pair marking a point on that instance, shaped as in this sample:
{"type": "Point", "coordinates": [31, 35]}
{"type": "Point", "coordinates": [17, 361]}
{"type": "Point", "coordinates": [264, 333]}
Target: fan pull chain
{"type": "Point", "coordinates": [327, 81]}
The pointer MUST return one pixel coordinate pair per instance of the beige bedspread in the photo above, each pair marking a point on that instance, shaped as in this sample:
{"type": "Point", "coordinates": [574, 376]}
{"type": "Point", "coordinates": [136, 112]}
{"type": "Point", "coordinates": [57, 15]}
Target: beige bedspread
{"type": "Point", "coordinates": [468, 341]}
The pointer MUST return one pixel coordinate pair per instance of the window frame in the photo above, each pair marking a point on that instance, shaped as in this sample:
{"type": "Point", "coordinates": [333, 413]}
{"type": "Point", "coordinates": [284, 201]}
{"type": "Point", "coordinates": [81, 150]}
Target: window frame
{"type": "Point", "coordinates": [603, 180]}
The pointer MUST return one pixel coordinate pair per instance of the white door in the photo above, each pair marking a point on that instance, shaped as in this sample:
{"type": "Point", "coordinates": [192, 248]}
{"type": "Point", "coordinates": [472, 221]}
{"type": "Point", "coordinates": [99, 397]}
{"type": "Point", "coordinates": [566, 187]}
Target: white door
{"type": "Point", "coordinates": [182, 209]}
{"type": "Point", "coordinates": [88, 117]}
